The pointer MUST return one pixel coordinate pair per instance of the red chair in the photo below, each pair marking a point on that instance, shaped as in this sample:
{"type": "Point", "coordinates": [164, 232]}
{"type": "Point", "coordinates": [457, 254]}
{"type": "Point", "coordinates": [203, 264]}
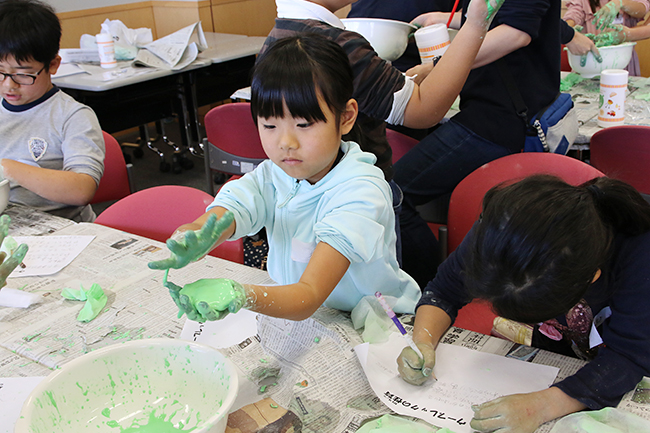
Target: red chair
{"type": "Point", "coordinates": [400, 143]}
{"type": "Point", "coordinates": [564, 60]}
{"type": "Point", "coordinates": [623, 152]}
{"type": "Point", "coordinates": [116, 181]}
{"type": "Point", "coordinates": [466, 204]}
{"type": "Point", "coordinates": [156, 212]}
{"type": "Point", "coordinates": [232, 145]}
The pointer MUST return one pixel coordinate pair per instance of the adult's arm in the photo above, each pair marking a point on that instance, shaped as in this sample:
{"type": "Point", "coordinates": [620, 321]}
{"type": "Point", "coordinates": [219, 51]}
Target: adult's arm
{"type": "Point", "coordinates": [431, 100]}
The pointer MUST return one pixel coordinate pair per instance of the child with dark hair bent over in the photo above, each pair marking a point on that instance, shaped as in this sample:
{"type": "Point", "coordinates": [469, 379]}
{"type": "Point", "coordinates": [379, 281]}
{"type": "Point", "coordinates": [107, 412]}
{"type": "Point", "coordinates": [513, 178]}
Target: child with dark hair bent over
{"type": "Point", "coordinates": [555, 256]}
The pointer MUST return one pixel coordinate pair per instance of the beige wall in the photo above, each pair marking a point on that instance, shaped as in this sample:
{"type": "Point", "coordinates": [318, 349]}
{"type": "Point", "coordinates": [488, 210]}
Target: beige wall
{"type": "Point", "coordinates": [88, 21]}
{"type": "Point", "coordinates": [247, 17]}
{"type": "Point", "coordinates": [643, 51]}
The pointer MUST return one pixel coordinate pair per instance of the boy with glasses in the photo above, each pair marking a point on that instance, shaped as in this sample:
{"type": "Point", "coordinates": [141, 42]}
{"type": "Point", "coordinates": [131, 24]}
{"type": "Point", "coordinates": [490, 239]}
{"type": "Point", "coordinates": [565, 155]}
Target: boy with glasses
{"type": "Point", "coordinates": [51, 146]}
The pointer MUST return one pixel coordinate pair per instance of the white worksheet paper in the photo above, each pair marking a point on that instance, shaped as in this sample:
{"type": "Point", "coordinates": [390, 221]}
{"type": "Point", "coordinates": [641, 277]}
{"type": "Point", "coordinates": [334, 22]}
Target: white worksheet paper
{"type": "Point", "coordinates": [465, 377]}
{"type": "Point", "coordinates": [13, 393]}
{"type": "Point", "coordinates": [47, 255]}
{"type": "Point", "coordinates": [231, 330]}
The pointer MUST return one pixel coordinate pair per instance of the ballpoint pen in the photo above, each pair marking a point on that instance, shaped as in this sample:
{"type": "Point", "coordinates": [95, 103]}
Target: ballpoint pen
{"type": "Point", "coordinates": [397, 323]}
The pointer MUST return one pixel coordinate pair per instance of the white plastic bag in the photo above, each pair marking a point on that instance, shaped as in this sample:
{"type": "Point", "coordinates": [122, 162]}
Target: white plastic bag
{"type": "Point", "coordinates": [125, 36]}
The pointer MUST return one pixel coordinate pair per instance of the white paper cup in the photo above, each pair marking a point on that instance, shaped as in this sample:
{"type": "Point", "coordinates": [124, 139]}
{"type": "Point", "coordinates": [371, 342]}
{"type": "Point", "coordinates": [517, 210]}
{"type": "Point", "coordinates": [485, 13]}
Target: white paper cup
{"type": "Point", "coordinates": [613, 86]}
{"type": "Point", "coordinates": [106, 49]}
{"type": "Point", "coordinates": [432, 41]}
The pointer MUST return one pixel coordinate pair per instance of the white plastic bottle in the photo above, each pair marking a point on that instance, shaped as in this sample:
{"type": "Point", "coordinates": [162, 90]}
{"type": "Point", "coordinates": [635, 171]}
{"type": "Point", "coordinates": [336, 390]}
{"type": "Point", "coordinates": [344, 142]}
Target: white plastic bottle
{"type": "Point", "coordinates": [106, 49]}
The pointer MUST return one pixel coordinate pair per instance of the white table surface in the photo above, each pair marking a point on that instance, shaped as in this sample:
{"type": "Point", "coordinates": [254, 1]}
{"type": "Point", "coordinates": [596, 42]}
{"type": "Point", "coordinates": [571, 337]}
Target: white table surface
{"type": "Point", "coordinates": [222, 47]}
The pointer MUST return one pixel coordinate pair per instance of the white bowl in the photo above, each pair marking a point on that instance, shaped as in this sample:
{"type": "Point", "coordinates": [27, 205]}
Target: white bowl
{"type": "Point", "coordinates": [388, 37]}
{"type": "Point", "coordinates": [4, 194]}
{"type": "Point", "coordinates": [614, 57]}
{"type": "Point", "coordinates": [151, 384]}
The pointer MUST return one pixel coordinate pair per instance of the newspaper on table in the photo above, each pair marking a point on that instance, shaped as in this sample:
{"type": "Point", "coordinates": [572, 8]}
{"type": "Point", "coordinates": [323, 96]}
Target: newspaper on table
{"type": "Point", "coordinates": [138, 305]}
{"type": "Point", "coordinates": [308, 368]}
{"type": "Point", "coordinates": [174, 51]}
{"type": "Point", "coordinates": [29, 222]}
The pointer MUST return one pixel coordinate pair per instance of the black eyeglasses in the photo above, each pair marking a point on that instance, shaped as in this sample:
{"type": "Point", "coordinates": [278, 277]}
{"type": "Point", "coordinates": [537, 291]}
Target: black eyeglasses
{"type": "Point", "coordinates": [22, 79]}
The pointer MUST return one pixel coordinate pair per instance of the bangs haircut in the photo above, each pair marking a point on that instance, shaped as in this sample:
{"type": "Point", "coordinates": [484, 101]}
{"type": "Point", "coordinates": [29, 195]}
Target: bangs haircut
{"type": "Point", "coordinates": [29, 30]}
{"type": "Point", "coordinates": [296, 71]}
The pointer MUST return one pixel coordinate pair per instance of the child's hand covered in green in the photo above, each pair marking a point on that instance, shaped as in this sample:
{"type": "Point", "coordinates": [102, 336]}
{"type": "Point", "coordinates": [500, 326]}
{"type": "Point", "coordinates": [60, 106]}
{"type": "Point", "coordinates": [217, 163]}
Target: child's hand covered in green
{"type": "Point", "coordinates": [194, 244]}
{"type": "Point", "coordinates": [207, 299]}
{"type": "Point", "coordinates": [614, 37]}
{"type": "Point", "coordinates": [605, 16]}
{"type": "Point", "coordinates": [7, 266]}
{"type": "Point", "coordinates": [483, 11]}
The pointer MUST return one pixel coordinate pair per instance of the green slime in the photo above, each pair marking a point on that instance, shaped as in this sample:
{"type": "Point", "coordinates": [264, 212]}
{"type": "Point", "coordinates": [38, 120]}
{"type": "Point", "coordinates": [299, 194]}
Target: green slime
{"type": "Point", "coordinates": [95, 300]}
{"type": "Point", "coordinates": [569, 81]}
{"type": "Point", "coordinates": [156, 424]}
{"type": "Point", "coordinates": [492, 7]}
{"type": "Point", "coordinates": [217, 293]}
{"type": "Point", "coordinates": [607, 39]}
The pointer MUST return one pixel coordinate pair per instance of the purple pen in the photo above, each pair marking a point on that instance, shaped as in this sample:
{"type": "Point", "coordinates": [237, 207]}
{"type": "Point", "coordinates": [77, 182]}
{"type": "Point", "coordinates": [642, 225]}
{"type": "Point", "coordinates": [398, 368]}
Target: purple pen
{"type": "Point", "coordinates": [397, 323]}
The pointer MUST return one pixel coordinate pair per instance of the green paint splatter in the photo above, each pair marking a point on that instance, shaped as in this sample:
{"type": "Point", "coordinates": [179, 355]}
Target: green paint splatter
{"type": "Point", "coordinates": [82, 390]}
{"type": "Point", "coordinates": [106, 412]}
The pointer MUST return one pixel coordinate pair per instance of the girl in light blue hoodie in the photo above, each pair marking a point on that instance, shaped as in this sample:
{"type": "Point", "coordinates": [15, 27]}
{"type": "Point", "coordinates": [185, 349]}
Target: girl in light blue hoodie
{"type": "Point", "coordinates": [326, 208]}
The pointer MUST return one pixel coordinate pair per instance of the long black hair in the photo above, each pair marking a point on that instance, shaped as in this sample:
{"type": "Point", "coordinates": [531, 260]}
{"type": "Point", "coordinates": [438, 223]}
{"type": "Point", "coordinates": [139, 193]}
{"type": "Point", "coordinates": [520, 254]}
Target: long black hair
{"type": "Point", "coordinates": [295, 71]}
{"type": "Point", "coordinates": [540, 242]}
{"type": "Point", "coordinates": [29, 30]}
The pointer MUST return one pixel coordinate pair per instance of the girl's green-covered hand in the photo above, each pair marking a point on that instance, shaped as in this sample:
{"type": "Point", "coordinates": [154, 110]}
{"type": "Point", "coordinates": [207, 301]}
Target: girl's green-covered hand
{"type": "Point", "coordinates": [606, 15]}
{"type": "Point", "coordinates": [207, 299]}
{"type": "Point", "coordinates": [615, 36]}
{"type": "Point", "coordinates": [483, 11]}
{"type": "Point", "coordinates": [192, 245]}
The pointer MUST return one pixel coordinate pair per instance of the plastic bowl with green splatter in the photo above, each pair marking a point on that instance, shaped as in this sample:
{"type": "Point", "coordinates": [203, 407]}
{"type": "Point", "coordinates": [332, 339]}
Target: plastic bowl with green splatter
{"type": "Point", "coordinates": [614, 57]}
{"type": "Point", "coordinates": [141, 386]}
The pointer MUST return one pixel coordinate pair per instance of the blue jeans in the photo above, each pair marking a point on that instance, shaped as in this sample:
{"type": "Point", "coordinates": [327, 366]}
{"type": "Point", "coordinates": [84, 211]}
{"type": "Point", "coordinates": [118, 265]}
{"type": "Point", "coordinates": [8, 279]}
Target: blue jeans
{"type": "Point", "coordinates": [431, 169]}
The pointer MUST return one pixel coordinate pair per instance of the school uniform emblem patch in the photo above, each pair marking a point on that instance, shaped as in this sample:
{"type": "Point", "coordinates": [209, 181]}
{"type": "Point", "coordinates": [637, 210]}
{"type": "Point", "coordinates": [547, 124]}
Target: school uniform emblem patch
{"type": "Point", "coordinates": [37, 147]}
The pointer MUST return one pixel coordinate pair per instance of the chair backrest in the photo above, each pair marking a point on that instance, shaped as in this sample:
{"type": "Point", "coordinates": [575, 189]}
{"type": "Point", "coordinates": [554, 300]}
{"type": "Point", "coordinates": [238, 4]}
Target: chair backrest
{"type": "Point", "coordinates": [156, 212]}
{"type": "Point", "coordinates": [400, 143]}
{"type": "Point", "coordinates": [466, 200]}
{"type": "Point", "coordinates": [623, 152]}
{"type": "Point", "coordinates": [232, 144]}
{"type": "Point", "coordinates": [116, 180]}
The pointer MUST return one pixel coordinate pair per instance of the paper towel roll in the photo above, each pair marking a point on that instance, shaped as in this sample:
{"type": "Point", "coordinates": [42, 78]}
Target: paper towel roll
{"type": "Point", "coordinates": [613, 86]}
